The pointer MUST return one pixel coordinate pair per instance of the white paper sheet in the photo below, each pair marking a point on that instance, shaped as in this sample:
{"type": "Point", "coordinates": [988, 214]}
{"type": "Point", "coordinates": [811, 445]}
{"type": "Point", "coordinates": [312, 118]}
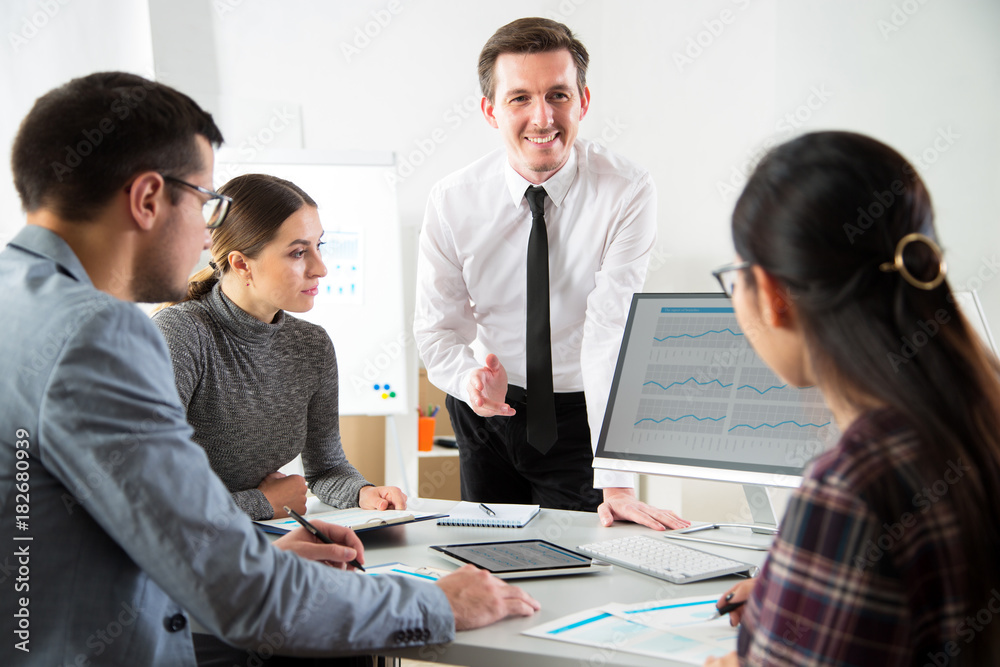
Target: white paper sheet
{"type": "Point", "coordinates": [677, 629]}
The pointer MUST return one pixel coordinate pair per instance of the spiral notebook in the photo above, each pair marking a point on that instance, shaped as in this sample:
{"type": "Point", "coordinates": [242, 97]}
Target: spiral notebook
{"type": "Point", "coordinates": [504, 516]}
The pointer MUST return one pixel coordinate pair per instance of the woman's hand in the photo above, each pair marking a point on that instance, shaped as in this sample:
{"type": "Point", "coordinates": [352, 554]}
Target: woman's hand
{"type": "Point", "coordinates": [738, 593]}
{"type": "Point", "coordinates": [725, 661]}
{"type": "Point", "coordinates": [381, 498]}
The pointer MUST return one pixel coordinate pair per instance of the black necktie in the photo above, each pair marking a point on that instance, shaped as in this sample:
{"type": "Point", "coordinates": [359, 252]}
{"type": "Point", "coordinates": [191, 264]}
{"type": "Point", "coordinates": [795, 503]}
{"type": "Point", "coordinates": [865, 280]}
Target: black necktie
{"type": "Point", "coordinates": [538, 332]}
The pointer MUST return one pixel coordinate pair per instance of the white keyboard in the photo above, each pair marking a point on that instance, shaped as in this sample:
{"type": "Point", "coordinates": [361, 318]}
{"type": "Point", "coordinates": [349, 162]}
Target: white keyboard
{"type": "Point", "coordinates": [661, 558]}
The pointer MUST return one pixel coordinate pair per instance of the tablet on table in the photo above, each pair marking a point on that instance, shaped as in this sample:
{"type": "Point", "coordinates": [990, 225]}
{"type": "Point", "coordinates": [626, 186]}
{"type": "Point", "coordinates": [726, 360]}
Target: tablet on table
{"type": "Point", "coordinates": [519, 559]}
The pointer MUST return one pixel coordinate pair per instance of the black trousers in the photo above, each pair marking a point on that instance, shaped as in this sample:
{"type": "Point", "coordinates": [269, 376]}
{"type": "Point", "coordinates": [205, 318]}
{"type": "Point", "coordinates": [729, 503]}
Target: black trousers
{"type": "Point", "coordinates": [498, 465]}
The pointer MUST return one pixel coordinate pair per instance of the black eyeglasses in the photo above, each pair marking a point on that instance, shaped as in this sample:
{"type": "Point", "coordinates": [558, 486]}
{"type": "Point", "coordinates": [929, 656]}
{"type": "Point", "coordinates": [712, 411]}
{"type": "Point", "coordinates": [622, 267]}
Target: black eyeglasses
{"type": "Point", "coordinates": [726, 275]}
{"type": "Point", "coordinates": [214, 209]}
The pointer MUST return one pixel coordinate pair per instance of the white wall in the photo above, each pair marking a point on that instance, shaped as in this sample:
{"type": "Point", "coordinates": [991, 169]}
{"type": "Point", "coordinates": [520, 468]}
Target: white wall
{"type": "Point", "coordinates": [905, 71]}
{"type": "Point", "coordinates": [46, 43]}
{"type": "Point", "coordinates": [691, 124]}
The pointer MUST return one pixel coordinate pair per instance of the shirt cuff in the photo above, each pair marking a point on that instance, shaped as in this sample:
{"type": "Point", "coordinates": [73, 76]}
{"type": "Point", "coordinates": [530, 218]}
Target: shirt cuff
{"type": "Point", "coordinates": [604, 479]}
{"type": "Point", "coordinates": [254, 503]}
{"type": "Point", "coordinates": [463, 388]}
{"type": "Point", "coordinates": [344, 494]}
{"type": "Point", "coordinates": [442, 618]}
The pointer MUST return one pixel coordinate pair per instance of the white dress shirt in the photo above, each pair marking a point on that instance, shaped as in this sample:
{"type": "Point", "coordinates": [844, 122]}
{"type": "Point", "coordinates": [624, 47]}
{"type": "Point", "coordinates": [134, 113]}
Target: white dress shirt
{"type": "Point", "coordinates": [600, 214]}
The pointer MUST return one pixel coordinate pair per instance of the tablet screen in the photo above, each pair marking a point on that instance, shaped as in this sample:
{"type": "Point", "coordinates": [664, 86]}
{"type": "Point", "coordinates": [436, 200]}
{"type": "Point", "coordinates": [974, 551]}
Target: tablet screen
{"type": "Point", "coordinates": [517, 556]}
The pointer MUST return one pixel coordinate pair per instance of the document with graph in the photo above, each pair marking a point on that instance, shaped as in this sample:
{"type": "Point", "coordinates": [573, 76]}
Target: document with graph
{"type": "Point", "coordinates": [682, 629]}
{"type": "Point", "coordinates": [690, 389]}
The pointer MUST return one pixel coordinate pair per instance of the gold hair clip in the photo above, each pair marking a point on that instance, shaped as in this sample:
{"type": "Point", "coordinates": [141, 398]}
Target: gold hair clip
{"type": "Point", "coordinates": [898, 265]}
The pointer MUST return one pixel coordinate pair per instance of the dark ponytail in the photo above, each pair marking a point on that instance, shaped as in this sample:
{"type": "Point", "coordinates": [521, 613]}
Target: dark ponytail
{"type": "Point", "coordinates": [824, 214]}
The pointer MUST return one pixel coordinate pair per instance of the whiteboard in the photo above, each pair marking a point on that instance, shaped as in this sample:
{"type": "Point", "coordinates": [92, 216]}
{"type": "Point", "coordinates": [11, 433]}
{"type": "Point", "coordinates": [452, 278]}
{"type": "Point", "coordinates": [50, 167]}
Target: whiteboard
{"type": "Point", "coordinates": [360, 303]}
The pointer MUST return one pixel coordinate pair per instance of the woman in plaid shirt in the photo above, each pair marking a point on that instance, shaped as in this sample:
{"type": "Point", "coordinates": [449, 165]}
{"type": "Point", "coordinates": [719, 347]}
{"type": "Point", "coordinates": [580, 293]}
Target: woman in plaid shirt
{"type": "Point", "coordinates": [888, 553]}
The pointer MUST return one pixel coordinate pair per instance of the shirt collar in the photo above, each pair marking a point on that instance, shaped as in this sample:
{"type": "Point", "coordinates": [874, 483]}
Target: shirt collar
{"type": "Point", "coordinates": [557, 187]}
{"type": "Point", "coordinates": [46, 243]}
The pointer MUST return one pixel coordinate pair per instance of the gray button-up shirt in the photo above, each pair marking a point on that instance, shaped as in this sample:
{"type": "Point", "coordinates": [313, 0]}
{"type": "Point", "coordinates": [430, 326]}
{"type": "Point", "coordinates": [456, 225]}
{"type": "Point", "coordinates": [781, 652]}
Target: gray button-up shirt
{"type": "Point", "coordinates": [112, 525]}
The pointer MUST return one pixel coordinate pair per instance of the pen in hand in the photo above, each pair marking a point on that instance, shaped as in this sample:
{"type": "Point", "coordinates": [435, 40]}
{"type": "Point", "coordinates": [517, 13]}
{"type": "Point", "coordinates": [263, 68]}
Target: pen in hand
{"type": "Point", "coordinates": [319, 534]}
{"type": "Point", "coordinates": [728, 607]}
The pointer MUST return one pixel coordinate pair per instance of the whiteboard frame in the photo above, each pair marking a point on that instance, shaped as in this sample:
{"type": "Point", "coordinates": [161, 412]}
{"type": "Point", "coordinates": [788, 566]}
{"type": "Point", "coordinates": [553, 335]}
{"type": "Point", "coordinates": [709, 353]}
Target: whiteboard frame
{"type": "Point", "coordinates": [370, 338]}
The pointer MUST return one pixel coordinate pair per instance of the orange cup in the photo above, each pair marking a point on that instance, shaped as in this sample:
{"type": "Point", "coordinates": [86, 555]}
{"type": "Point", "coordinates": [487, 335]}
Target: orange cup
{"type": "Point", "coordinates": [425, 434]}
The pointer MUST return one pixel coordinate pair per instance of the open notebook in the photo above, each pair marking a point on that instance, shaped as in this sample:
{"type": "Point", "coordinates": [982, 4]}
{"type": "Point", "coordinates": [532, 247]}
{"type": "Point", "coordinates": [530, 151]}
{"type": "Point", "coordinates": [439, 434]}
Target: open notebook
{"type": "Point", "coordinates": [504, 516]}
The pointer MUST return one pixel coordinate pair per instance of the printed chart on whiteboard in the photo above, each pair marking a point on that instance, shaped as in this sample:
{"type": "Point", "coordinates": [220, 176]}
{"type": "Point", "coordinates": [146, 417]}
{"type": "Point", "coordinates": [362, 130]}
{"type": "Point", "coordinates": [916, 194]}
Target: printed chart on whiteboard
{"type": "Point", "coordinates": [344, 258]}
{"type": "Point", "coordinates": [691, 383]}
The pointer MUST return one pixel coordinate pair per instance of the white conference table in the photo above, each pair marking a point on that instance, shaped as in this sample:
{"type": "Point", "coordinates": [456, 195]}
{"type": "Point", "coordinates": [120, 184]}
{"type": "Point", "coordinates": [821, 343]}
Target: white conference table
{"type": "Point", "coordinates": [502, 644]}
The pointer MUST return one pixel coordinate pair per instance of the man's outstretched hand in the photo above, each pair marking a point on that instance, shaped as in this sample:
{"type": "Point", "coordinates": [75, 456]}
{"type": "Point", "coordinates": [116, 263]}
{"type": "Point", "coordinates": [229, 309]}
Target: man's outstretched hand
{"type": "Point", "coordinates": [488, 389]}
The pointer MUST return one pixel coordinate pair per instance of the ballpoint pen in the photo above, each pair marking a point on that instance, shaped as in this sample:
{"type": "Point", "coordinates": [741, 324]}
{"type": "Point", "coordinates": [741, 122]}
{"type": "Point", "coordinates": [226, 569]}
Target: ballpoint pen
{"type": "Point", "coordinates": [316, 531]}
{"type": "Point", "coordinates": [728, 607]}
{"type": "Point", "coordinates": [487, 509]}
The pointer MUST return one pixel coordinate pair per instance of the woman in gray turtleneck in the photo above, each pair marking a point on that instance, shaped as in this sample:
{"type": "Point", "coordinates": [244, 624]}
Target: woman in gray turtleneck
{"type": "Point", "coordinates": [260, 386]}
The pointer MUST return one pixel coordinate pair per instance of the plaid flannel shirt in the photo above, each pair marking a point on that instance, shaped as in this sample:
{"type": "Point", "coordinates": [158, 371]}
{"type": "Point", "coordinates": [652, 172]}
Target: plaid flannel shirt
{"type": "Point", "coordinates": [868, 567]}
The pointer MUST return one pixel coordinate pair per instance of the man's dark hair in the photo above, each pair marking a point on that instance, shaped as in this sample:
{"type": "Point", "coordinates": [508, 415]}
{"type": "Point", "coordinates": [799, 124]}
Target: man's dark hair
{"type": "Point", "coordinates": [530, 35]}
{"type": "Point", "coordinates": [83, 141]}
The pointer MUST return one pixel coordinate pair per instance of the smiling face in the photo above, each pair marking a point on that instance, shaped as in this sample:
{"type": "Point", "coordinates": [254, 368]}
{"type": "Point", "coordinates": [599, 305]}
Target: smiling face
{"type": "Point", "coordinates": [285, 275]}
{"type": "Point", "coordinates": [538, 108]}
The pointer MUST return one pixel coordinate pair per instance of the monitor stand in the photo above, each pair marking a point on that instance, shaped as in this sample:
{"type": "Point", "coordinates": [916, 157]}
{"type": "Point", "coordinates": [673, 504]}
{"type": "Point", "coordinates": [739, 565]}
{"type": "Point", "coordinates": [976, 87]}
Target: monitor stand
{"type": "Point", "coordinates": [757, 536]}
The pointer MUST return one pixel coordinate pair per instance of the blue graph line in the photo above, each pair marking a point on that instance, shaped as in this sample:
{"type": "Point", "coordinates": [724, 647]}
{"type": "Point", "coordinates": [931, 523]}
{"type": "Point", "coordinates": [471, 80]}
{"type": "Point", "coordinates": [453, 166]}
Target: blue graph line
{"type": "Point", "coordinates": [747, 386]}
{"type": "Point", "coordinates": [718, 382]}
{"type": "Point", "coordinates": [780, 424]}
{"type": "Point", "coordinates": [735, 333]}
{"type": "Point", "coordinates": [691, 379]}
{"type": "Point", "coordinates": [660, 421]}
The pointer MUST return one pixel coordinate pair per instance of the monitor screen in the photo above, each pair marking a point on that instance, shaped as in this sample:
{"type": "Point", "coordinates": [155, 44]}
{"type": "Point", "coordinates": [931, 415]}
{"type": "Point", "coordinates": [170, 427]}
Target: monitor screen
{"type": "Point", "coordinates": [972, 308]}
{"type": "Point", "coordinates": [691, 398]}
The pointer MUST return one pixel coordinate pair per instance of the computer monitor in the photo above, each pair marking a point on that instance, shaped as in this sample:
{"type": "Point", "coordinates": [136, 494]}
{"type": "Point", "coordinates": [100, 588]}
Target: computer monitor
{"type": "Point", "coordinates": [691, 398]}
{"type": "Point", "coordinates": [972, 308]}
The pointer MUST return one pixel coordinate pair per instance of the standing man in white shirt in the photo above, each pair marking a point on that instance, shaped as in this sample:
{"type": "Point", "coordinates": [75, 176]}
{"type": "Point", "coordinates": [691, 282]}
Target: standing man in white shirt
{"type": "Point", "coordinates": [523, 292]}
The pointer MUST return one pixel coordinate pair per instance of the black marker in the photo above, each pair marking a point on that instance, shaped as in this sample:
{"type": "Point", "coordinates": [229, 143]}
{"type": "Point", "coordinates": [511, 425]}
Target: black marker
{"type": "Point", "coordinates": [315, 531]}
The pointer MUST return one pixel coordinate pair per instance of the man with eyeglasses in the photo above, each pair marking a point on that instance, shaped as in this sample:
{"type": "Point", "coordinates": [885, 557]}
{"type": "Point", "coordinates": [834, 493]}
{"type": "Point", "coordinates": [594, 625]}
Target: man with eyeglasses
{"type": "Point", "coordinates": [215, 207]}
{"type": "Point", "coordinates": [117, 530]}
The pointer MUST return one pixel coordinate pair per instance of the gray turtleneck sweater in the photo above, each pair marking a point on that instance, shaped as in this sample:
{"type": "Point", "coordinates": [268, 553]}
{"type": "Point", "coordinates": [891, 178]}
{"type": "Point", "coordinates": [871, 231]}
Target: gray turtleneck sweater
{"type": "Point", "coordinates": [257, 395]}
